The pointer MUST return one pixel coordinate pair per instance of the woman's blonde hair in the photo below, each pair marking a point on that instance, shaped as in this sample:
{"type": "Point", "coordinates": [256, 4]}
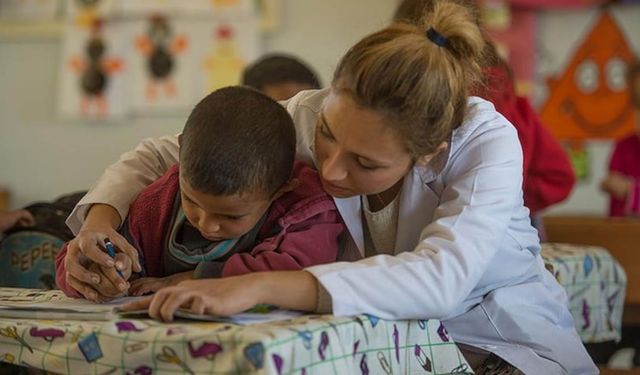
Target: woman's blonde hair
{"type": "Point", "coordinates": [417, 75]}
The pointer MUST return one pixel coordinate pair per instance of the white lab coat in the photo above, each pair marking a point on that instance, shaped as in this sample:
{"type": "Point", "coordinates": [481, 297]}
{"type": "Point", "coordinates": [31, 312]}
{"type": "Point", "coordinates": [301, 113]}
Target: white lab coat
{"type": "Point", "coordinates": [465, 250]}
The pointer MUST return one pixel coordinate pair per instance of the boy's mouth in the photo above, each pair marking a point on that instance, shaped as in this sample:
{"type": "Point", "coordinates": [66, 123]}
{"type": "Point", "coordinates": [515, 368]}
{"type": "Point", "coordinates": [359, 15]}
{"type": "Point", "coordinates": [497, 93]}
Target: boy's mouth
{"type": "Point", "coordinates": [212, 237]}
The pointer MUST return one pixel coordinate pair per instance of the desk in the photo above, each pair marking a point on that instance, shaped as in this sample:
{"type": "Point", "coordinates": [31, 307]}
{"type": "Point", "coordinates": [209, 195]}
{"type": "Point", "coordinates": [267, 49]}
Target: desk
{"type": "Point", "coordinates": [310, 344]}
{"type": "Point", "coordinates": [595, 283]}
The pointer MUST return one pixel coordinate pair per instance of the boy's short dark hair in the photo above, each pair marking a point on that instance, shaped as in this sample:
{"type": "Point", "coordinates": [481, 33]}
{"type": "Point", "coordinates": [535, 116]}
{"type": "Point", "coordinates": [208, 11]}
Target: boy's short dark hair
{"type": "Point", "coordinates": [237, 140]}
{"type": "Point", "coordinates": [278, 68]}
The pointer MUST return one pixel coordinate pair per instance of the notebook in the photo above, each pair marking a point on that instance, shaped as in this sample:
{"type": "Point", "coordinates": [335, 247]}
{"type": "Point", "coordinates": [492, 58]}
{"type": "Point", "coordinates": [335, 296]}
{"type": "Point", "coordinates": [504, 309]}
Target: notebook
{"type": "Point", "coordinates": [20, 303]}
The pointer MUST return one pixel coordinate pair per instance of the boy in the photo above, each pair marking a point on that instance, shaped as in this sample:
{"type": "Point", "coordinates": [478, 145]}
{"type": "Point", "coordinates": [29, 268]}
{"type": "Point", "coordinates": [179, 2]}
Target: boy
{"type": "Point", "coordinates": [280, 76]}
{"type": "Point", "coordinates": [237, 202]}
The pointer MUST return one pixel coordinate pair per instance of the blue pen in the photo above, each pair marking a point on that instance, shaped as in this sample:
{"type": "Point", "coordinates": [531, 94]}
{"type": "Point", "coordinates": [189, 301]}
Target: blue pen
{"type": "Point", "coordinates": [111, 250]}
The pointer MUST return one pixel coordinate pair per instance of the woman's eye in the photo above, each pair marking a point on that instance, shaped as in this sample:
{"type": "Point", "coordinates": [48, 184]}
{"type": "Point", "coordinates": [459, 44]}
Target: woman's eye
{"type": "Point", "coordinates": [325, 133]}
{"type": "Point", "coordinates": [368, 167]}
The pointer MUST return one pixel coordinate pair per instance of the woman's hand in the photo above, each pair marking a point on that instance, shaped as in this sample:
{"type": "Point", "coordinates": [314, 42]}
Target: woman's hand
{"type": "Point", "coordinates": [295, 290]}
{"type": "Point", "coordinates": [17, 218]}
{"type": "Point", "coordinates": [90, 270]}
{"type": "Point", "coordinates": [146, 285]}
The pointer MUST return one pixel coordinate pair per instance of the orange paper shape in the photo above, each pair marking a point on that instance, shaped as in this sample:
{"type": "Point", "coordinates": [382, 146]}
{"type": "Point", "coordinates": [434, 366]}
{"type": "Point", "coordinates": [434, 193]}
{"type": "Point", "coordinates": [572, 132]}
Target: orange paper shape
{"type": "Point", "coordinates": [591, 99]}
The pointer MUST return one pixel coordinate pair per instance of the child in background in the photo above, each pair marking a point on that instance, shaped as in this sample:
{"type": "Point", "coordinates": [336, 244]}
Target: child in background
{"type": "Point", "coordinates": [623, 181]}
{"type": "Point", "coordinates": [280, 76]}
{"type": "Point", "coordinates": [548, 176]}
{"type": "Point", "coordinates": [237, 203]}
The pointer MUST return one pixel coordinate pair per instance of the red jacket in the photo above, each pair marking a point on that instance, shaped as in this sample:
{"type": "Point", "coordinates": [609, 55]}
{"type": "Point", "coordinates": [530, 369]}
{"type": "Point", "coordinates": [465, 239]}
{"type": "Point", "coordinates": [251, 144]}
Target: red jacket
{"type": "Point", "coordinates": [301, 229]}
{"type": "Point", "coordinates": [625, 160]}
{"type": "Point", "coordinates": [548, 176]}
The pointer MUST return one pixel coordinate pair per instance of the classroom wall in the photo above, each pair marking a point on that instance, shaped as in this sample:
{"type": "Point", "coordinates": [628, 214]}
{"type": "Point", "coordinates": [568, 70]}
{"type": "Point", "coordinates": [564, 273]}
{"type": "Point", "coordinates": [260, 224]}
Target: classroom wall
{"type": "Point", "coordinates": [42, 157]}
{"type": "Point", "coordinates": [559, 32]}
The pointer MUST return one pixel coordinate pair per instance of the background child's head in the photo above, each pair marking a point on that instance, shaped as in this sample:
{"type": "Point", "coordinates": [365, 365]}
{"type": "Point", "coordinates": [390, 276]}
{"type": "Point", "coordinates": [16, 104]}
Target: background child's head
{"type": "Point", "coordinates": [236, 155]}
{"type": "Point", "coordinates": [280, 76]}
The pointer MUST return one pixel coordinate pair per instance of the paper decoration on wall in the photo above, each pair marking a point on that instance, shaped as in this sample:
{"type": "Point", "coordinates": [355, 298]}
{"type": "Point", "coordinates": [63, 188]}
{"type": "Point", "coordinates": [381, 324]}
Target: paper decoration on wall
{"type": "Point", "coordinates": [227, 51]}
{"type": "Point", "coordinates": [172, 59]}
{"type": "Point", "coordinates": [580, 161]}
{"type": "Point", "coordinates": [96, 65]}
{"type": "Point", "coordinates": [160, 78]}
{"type": "Point", "coordinates": [496, 14]}
{"type": "Point", "coordinates": [31, 10]}
{"type": "Point", "coordinates": [224, 64]}
{"type": "Point", "coordinates": [269, 14]}
{"type": "Point", "coordinates": [590, 98]}
{"type": "Point", "coordinates": [224, 3]}
{"type": "Point", "coordinates": [144, 8]}
{"type": "Point", "coordinates": [221, 9]}
{"type": "Point", "coordinates": [516, 43]}
{"type": "Point", "coordinates": [86, 12]}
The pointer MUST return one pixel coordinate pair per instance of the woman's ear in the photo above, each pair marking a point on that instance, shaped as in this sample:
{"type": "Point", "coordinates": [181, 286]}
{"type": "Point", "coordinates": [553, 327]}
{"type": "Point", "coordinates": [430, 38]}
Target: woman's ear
{"type": "Point", "coordinates": [422, 161]}
{"type": "Point", "coordinates": [180, 140]}
{"type": "Point", "coordinates": [290, 185]}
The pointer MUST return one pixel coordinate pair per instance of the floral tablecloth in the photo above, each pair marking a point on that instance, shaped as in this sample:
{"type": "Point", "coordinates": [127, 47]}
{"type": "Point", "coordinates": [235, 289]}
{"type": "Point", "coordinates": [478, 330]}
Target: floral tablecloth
{"type": "Point", "coordinates": [310, 344]}
{"type": "Point", "coordinates": [595, 283]}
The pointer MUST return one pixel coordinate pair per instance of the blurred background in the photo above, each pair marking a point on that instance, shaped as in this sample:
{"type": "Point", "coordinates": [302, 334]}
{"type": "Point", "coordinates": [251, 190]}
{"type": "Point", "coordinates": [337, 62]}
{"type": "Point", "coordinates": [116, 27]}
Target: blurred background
{"type": "Point", "coordinates": [48, 147]}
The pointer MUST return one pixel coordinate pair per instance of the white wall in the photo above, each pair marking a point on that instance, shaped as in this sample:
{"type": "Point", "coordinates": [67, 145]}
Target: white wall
{"type": "Point", "coordinates": [42, 157]}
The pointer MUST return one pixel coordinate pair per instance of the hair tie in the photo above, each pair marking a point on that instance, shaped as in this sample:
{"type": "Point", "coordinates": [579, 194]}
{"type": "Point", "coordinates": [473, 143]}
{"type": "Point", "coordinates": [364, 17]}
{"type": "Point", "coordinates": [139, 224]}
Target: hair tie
{"type": "Point", "coordinates": [436, 37]}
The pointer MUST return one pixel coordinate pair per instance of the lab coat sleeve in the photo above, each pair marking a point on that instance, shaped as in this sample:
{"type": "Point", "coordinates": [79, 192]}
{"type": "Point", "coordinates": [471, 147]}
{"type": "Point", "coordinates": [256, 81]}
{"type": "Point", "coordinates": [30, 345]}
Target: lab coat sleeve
{"type": "Point", "coordinates": [121, 182]}
{"type": "Point", "coordinates": [483, 188]}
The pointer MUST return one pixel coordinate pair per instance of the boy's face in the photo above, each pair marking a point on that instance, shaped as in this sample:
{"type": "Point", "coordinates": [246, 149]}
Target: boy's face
{"type": "Point", "coordinates": [222, 217]}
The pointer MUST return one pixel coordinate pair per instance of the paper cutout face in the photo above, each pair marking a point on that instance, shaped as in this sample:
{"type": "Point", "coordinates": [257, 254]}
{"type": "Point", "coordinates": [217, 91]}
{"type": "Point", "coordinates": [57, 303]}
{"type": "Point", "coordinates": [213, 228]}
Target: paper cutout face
{"type": "Point", "coordinates": [591, 98]}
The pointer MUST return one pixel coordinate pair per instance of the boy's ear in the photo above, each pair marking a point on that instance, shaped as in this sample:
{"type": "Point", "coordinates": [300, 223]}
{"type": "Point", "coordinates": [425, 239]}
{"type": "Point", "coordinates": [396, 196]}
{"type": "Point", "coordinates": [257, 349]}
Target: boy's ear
{"type": "Point", "coordinates": [290, 185]}
{"type": "Point", "coordinates": [180, 140]}
{"type": "Point", "coordinates": [424, 160]}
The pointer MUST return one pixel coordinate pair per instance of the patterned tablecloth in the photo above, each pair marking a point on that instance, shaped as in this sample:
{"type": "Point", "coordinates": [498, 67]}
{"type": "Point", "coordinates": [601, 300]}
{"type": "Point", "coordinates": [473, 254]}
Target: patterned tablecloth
{"type": "Point", "coordinates": [310, 344]}
{"type": "Point", "coordinates": [595, 283]}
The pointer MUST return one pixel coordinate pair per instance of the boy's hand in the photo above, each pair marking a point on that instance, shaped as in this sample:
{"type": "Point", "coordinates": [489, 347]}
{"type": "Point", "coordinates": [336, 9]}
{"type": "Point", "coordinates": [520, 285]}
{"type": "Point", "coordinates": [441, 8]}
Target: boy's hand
{"type": "Point", "coordinates": [146, 285]}
{"type": "Point", "coordinates": [91, 271]}
{"type": "Point", "coordinates": [17, 218]}
{"type": "Point", "coordinates": [204, 296]}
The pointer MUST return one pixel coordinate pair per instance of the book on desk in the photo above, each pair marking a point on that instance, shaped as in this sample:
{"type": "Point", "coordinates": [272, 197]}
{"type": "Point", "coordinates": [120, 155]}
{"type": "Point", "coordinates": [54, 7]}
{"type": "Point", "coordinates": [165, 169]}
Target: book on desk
{"type": "Point", "coordinates": [20, 303]}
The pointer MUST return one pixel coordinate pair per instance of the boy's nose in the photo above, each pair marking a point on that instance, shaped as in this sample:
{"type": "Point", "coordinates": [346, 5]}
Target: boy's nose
{"type": "Point", "coordinates": [209, 226]}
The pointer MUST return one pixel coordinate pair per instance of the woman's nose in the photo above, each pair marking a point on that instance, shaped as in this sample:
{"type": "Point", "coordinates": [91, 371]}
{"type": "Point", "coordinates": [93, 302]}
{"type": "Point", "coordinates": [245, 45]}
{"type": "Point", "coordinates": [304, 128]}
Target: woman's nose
{"type": "Point", "coordinates": [333, 168]}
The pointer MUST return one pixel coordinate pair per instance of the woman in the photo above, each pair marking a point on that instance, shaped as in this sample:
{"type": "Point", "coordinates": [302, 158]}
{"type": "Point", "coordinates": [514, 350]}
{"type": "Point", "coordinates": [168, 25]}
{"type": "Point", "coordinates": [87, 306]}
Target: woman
{"type": "Point", "coordinates": [429, 183]}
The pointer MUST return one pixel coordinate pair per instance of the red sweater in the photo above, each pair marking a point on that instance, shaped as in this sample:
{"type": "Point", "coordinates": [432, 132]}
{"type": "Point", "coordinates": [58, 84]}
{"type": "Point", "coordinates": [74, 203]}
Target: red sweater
{"type": "Point", "coordinates": [548, 176]}
{"type": "Point", "coordinates": [625, 160]}
{"type": "Point", "coordinates": [302, 229]}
